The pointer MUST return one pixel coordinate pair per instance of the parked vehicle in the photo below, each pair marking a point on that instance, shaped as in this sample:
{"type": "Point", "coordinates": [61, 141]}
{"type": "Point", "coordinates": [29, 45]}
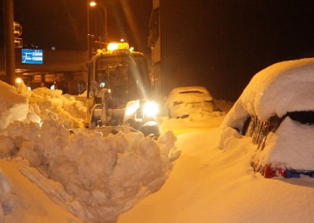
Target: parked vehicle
{"type": "Point", "coordinates": [276, 110]}
{"type": "Point", "coordinates": [183, 101]}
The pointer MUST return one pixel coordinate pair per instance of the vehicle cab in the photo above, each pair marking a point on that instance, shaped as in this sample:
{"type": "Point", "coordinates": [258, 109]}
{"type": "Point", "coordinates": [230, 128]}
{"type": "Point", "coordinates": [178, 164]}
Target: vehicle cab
{"type": "Point", "coordinates": [118, 82]}
{"type": "Point", "coordinates": [121, 70]}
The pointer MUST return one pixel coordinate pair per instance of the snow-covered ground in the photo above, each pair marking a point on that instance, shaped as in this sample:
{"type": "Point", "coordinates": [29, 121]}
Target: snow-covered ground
{"type": "Point", "coordinates": [219, 186]}
{"type": "Point", "coordinates": [195, 172]}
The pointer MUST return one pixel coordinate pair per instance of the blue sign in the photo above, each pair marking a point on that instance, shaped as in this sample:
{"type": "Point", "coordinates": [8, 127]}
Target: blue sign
{"type": "Point", "coordinates": [32, 56]}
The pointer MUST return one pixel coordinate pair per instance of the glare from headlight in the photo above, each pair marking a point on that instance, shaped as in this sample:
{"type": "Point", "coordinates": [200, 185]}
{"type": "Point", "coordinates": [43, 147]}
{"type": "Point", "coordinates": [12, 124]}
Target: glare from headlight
{"type": "Point", "coordinates": [151, 109]}
{"type": "Point", "coordinates": [131, 107]}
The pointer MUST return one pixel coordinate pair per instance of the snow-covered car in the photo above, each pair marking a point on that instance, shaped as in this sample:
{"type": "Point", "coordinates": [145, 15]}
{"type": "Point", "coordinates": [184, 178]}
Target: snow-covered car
{"type": "Point", "coordinates": [276, 110]}
{"type": "Point", "coordinates": [183, 101]}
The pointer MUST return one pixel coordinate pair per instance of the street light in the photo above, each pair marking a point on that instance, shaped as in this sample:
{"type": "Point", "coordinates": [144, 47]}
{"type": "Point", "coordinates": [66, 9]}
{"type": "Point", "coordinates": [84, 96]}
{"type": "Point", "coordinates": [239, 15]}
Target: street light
{"type": "Point", "coordinates": [92, 4]}
{"type": "Point", "coordinates": [104, 7]}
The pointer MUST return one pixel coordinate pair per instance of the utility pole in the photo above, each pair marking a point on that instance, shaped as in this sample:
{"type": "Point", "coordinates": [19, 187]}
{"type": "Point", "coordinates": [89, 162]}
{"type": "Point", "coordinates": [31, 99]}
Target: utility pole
{"type": "Point", "coordinates": [106, 25]}
{"type": "Point", "coordinates": [89, 50]}
{"type": "Point", "coordinates": [9, 53]}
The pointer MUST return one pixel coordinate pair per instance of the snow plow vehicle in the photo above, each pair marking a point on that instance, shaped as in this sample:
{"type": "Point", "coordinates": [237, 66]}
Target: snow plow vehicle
{"type": "Point", "coordinates": [118, 90]}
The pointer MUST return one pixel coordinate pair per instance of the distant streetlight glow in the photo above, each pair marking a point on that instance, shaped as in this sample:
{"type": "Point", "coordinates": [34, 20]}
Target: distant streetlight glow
{"type": "Point", "coordinates": [18, 84]}
{"type": "Point", "coordinates": [92, 3]}
{"type": "Point", "coordinates": [18, 80]}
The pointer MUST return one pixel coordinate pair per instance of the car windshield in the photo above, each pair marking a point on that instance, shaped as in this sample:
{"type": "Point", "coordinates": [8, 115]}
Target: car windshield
{"type": "Point", "coordinates": [191, 92]}
{"type": "Point", "coordinates": [304, 117]}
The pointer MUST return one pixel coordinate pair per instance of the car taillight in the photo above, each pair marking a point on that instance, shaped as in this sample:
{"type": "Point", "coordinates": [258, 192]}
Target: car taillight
{"type": "Point", "coordinates": [270, 172]}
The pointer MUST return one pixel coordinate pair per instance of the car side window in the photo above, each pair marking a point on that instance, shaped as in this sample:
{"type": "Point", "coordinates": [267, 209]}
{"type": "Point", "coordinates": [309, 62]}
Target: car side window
{"type": "Point", "coordinates": [304, 117]}
{"type": "Point", "coordinates": [258, 130]}
{"type": "Point", "coordinates": [246, 126]}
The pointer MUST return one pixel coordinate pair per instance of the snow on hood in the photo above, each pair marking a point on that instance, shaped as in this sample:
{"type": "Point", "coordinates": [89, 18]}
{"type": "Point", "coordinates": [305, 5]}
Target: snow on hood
{"type": "Point", "coordinates": [280, 88]}
{"type": "Point", "coordinates": [94, 177]}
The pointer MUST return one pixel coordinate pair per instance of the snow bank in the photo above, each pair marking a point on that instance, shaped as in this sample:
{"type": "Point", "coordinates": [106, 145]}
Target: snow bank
{"type": "Point", "coordinates": [12, 105]}
{"type": "Point", "coordinates": [49, 104]}
{"type": "Point", "coordinates": [102, 176]}
{"type": "Point", "coordinates": [92, 176]}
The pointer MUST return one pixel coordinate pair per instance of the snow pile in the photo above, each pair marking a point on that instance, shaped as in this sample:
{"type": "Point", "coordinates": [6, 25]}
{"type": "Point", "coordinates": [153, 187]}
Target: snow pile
{"type": "Point", "coordinates": [94, 177]}
{"type": "Point", "coordinates": [13, 107]}
{"type": "Point", "coordinates": [104, 176]}
{"type": "Point", "coordinates": [49, 104]}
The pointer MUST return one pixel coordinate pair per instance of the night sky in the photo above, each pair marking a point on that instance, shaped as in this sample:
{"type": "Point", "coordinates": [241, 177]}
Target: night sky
{"type": "Point", "coordinates": [274, 28]}
{"type": "Point", "coordinates": [63, 23]}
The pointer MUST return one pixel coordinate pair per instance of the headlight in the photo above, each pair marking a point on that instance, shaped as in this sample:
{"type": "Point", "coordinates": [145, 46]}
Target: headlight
{"type": "Point", "coordinates": [151, 109]}
{"type": "Point", "coordinates": [102, 84]}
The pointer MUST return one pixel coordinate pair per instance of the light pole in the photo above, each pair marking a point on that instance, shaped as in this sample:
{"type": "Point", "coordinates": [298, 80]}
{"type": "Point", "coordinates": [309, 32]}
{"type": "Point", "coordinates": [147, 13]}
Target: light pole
{"type": "Point", "coordinates": [104, 7]}
{"type": "Point", "coordinates": [106, 25]}
{"type": "Point", "coordinates": [89, 49]}
{"type": "Point", "coordinates": [9, 41]}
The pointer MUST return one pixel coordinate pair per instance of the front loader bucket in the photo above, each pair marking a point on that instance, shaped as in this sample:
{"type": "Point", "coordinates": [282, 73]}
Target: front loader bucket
{"type": "Point", "coordinates": [106, 130]}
